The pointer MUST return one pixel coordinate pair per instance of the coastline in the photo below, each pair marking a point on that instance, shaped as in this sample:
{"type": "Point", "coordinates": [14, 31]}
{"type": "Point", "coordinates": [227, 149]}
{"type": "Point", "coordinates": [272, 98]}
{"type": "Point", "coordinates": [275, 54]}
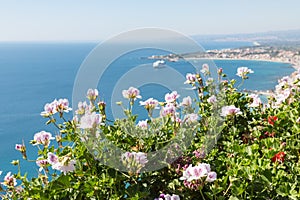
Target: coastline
{"type": "Point", "coordinates": [296, 67]}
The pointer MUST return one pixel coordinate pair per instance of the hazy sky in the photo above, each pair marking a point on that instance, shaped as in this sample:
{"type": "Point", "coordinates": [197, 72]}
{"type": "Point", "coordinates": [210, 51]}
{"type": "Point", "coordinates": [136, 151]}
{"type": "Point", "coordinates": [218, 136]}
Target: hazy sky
{"type": "Point", "coordinates": [98, 19]}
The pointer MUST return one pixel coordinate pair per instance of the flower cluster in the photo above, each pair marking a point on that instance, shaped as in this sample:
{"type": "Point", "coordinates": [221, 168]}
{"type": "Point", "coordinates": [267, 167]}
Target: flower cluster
{"type": "Point", "coordinates": [60, 106]}
{"type": "Point", "coordinates": [243, 72]}
{"type": "Point", "coordinates": [190, 78]}
{"type": "Point", "coordinates": [90, 120]}
{"type": "Point", "coordinates": [168, 197]}
{"type": "Point", "coordinates": [194, 177]}
{"type": "Point", "coordinates": [132, 93]}
{"type": "Point", "coordinates": [230, 111]}
{"type": "Point", "coordinates": [205, 69]}
{"type": "Point", "coordinates": [200, 171]}
{"type": "Point", "coordinates": [9, 180]}
{"type": "Point", "coordinates": [42, 138]}
{"type": "Point", "coordinates": [171, 97]}
{"type": "Point", "coordinates": [287, 86]}
{"type": "Point", "coordinates": [63, 164]}
{"type": "Point", "coordinates": [92, 94]}
{"type": "Point", "coordinates": [150, 104]}
{"type": "Point", "coordinates": [143, 124]}
{"type": "Point", "coordinates": [255, 101]}
{"type": "Point", "coordinates": [134, 161]}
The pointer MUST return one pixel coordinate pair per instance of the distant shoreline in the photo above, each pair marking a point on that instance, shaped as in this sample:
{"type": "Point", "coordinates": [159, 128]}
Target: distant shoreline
{"type": "Point", "coordinates": [296, 67]}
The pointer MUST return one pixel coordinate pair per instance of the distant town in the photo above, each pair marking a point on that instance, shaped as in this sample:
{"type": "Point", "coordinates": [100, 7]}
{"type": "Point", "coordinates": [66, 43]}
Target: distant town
{"type": "Point", "coordinates": [260, 53]}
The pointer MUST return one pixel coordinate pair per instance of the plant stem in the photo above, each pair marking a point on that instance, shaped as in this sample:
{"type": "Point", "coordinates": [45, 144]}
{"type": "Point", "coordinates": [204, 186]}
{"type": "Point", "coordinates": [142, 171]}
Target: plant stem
{"type": "Point", "coordinates": [202, 194]}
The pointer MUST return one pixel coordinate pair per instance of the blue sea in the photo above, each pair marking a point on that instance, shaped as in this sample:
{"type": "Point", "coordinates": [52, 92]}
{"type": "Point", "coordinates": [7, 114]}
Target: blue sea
{"type": "Point", "coordinates": [33, 74]}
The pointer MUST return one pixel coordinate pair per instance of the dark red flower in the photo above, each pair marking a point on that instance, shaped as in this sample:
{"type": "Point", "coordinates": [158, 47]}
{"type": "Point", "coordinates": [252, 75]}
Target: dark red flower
{"type": "Point", "coordinates": [266, 135]}
{"type": "Point", "coordinates": [278, 157]}
{"type": "Point", "coordinates": [272, 119]}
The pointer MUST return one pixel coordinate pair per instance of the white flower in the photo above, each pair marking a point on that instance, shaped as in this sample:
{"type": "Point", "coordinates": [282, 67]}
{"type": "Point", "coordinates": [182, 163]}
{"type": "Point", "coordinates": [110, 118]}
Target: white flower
{"type": "Point", "coordinates": [211, 177]}
{"type": "Point", "coordinates": [195, 173]}
{"type": "Point", "coordinates": [149, 104]}
{"type": "Point", "coordinates": [205, 69]}
{"type": "Point", "coordinates": [209, 81]}
{"type": "Point", "coordinates": [41, 163]}
{"type": "Point", "coordinates": [191, 118]}
{"type": "Point", "coordinates": [168, 109]}
{"type": "Point", "coordinates": [62, 105]}
{"type": "Point", "coordinates": [143, 124]}
{"type": "Point", "coordinates": [256, 102]}
{"type": "Point", "coordinates": [186, 101]}
{"type": "Point", "coordinates": [131, 93]}
{"type": "Point", "coordinates": [9, 180]}
{"type": "Point", "coordinates": [190, 78]}
{"type": "Point", "coordinates": [212, 99]}
{"type": "Point", "coordinates": [243, 72]}
{"type": "Point", "coordinates": [90, 120]}
{"type": "Point", "coordinates": [49, 109]}
{"type": "Point", "coordinates": [230, 110]}
{"type": "Point", "coordinates": [52, 158]}
{"type": "Point", "coordinates": [43, 138]}
{"type": "Point", "coordinates": [64, 164]}
{"type": "Point", "coordinates": [171, 97]}
{"type": "Point", "coordinates": [67, 165]}
{"type": "Point", "coordinates": [92, 94]}
{"type": "Point", "coordinates": [134, 161]}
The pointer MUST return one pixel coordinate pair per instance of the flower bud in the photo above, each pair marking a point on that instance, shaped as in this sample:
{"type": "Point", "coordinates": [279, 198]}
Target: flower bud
{"type": "Point", "coordinates": [15, 162]}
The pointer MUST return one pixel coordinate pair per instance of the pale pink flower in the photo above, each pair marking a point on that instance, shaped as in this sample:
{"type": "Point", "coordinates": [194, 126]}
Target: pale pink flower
{"type": "Point", "coordinates": [66, 165]}
{"type": "Point", "coordinates": [198, 172]}
{"type": "Point", "coordinates": [243, 72]}
{"type": "Point", "coordinates": [19, 147]}
{"type": "Point", "coordinates": [230, 110]}
{"type": "Point", "coordinates": [43, 138]}
{"type": "Point", "coordinates": [63, 106]}
{"type": "Point", "coordinates": [141, 158]}
{"type": "Point", "coordinates": [168, 197]}
{"type": "Point", "coordinates": [134, 161]}
{"type": "Point", "coordinates": [131, 93]}
{"type": "Point", "coordinates": [190, 78]}
{"type": "Point", "coordinates": [149, 104]}
{"type": "Point", "coordinates": [191, 118]}
{"type": "Point", "coordinates": [187, 174]}
{"type": "Point", "coordinates": [256, 102]}
{"type": "Point", "coordinates": [168, 110]}
{"type": "Point", "coordinates": [211, 177]}
{"type": "Point", "coordinates": [90, 120]}
{"type": "Point", "coordinates": [212, 99]}
{"type": "Point", "coordinates": [52, 158]}
{"type": "Point", "coordinates": [205, 69]}
{"type": "Point", "coordinates": [171, 97]}
{"type": "Point", "coordinates": [205, 165]}
{"type": "Point", "coordinates": [92, 94]}
{"type": "Point", "coordinates": [9, 180]}
{"type": "Point", "coordinates": [42, 163]}
{"type": "Point", "coordinates": [49, 109]}
{"type": "Point", "coordinates": [82, 108]}
{"type": "Point", "coordinates": [143, 124]}
{"type": "Point", "coordinates": [186, 102]}
{"type": "Point", "coordinates": [209, 81]}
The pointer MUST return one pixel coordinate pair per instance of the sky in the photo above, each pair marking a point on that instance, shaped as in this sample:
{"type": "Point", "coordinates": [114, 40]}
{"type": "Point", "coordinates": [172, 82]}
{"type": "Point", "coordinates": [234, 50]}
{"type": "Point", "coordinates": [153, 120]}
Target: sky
{"type": "Point", "coordinates": [93, 20]}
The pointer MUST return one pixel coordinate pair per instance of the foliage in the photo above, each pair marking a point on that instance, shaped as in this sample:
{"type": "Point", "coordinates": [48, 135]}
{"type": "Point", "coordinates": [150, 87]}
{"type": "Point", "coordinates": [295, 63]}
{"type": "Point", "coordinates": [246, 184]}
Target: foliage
{"type": "Point", "coordinates": [239, 148]}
